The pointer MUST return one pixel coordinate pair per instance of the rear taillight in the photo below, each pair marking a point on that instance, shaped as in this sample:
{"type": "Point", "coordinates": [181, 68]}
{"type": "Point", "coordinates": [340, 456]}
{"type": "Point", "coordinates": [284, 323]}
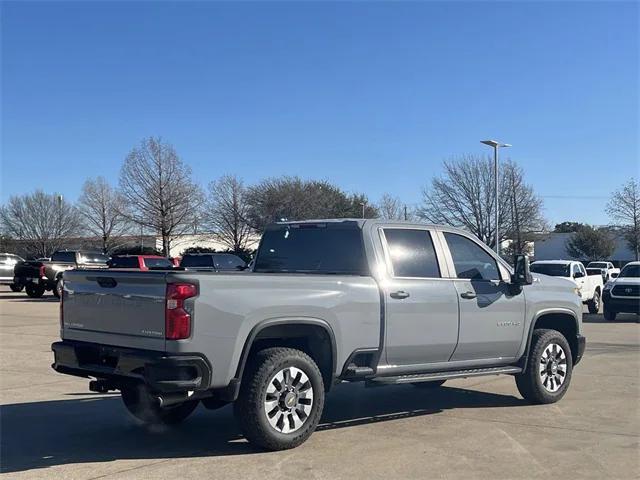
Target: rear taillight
{"type": "Point", "coordinates": [177, 319]}
{"type": "Point", "coordinates": [42, 272]}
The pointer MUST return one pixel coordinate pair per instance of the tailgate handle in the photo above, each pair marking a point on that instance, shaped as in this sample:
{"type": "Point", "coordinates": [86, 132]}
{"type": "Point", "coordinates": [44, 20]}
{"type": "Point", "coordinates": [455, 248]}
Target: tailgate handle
{"type": "Point", "coordinates": [106, 282]}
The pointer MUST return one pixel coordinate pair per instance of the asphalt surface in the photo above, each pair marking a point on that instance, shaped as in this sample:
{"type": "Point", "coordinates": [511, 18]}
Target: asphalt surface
{"type": "Point", "coordinates": [52, 427]}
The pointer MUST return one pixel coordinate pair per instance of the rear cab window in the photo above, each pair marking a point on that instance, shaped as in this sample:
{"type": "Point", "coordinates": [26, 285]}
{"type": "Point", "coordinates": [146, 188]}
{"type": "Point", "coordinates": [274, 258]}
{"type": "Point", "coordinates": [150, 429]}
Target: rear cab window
{"type": "Point", "coordinates": [320, 248]}
{"type": "Point", "coordinates": [92, 257]}
{"type": "Point", "coordinates": [67, 257]}
{"type": "Point", "coordinates": [205, 261]}
{"type": "Point", "coordinates": [551, 269]}
{"type": "Point", "coordinates": [411, 253]}
{"type": "Point", "coordinates": [157, 263]}
{"type": "Point", "coordinates": [124, 262]}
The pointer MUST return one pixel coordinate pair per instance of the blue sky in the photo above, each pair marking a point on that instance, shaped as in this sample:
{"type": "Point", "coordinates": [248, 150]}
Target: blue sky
{"type": "Point", "coordinates": [371, 96]}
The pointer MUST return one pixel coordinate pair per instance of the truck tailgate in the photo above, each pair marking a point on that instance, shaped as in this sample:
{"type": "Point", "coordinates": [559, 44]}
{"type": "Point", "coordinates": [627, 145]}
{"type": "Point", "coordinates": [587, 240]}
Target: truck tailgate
{"type": "Point", "coordinates": [27, 269]}
{"type": "Point", "coordinates": [115, 307]}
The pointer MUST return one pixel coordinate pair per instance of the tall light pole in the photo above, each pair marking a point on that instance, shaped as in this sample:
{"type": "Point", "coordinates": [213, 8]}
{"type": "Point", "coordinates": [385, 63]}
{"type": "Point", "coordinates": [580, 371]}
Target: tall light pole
{"type": "Point", "coordinates": [496, 146]}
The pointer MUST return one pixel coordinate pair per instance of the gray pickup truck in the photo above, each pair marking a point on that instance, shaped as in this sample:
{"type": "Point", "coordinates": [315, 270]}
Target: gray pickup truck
{"type": "Point", "coordinates": [326, 301]}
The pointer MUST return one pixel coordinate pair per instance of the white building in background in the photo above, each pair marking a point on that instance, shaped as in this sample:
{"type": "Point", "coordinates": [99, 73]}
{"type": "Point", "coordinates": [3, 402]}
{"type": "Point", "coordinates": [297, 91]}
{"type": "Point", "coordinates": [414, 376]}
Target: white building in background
{"type": "Point", "coordinates": [180, 243]}
{"type": "Point", "coordinates": [553, 247]}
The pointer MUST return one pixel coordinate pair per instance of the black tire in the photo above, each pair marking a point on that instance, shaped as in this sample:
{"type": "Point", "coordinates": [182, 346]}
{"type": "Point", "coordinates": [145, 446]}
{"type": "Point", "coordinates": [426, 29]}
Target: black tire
{"type": "Point", "coordinates": [429, 385]}
{"type": "Point", "coordinates": [142, 406]}
{"type": "Point", "coordinates": [530, 383]}
{"type": "Point", "coordinates": [34, 291]}
{"type": "Point", "coordinates": [249, 408]}
{"type": "Point", "coordinates": [57, 289]}
{"type": "Point", "coordinates": [609, 315]}
{"type": "Point", "coordinates": [594, 303]}
{"type": "Point", "coordinates": [16, 288]}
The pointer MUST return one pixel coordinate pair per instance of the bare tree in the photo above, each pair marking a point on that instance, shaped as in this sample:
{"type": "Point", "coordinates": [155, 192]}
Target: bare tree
{"type": "Point", "coordinates": [523, 218]}
{"type": "Point", "coordinates": [103, 210]}
{"type": "Point", "coordinates": [157, 186]}
{"type": "Point", "coordinates": [624, 208]}
{"type": "Point", "coordinates": [465, 197]}
{"type": "Point", "coordinates": [392, 208]}
{"type": "Point", "coordinates": [226, 212]}
{"type": "Point", "coordinates": [42, 222]}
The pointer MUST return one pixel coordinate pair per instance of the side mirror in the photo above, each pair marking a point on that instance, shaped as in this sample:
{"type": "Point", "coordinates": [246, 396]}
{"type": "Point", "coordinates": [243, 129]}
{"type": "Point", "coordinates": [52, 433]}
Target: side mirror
{"type": "Point", "coordinates": [578, 275]}
{"type": "Point", "coordinates": [521, 272]}
{"type": "Point", "coordinates": [614, 275]}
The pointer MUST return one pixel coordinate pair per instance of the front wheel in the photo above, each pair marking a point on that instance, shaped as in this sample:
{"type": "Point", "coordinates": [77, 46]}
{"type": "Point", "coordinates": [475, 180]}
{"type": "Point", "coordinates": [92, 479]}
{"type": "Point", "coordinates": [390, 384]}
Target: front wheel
{"type": "Point", "coordinates": [142, 405]}
{"type": "Point", "coordinates": [16, 288]}
{"type": "Point", "coordinates": [549, 366]}
{"type": "Point", "coordinates": [609, 315]}
{"type": "Point", "coordinates": [281, 399]}
{"type": "Point", "coordinates": [594, 303]}
{"type": "Point", "coordinates": [34, 291]}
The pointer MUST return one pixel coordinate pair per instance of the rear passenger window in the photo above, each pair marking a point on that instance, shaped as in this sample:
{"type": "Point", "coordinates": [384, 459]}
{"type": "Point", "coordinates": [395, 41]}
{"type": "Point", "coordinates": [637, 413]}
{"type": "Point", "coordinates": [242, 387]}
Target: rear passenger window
{"type": "Point", "coordinates": [470, 259]}
{"type": "Point", "coordinates": [412, 253]}
{"type": "Point", "coordinates": [202, 261]}
{"type": "Point", "coordinates": [157, 263]}
{"type": "Point", "coordinates": [124, 262]}
{"type": "Point", "coordinates": [63, 257]}
{"type": "Point", "coordinates": [228, 262]}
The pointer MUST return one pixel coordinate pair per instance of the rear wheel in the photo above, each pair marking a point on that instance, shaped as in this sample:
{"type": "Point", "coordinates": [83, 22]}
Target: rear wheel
{"type": "Point", "coordinates": [549, 366]}
{"type": "Point", "coordinates": [609, 315]}
{"type": "Point", "coordinates": [16, 288]}
{"type": "Point", "coordinates": [142, 405]}
{"type": "Point", "coordinates": [429, 385]}
{"type": "Point", "coordinates": [281, 399]}
{"type": "Point", "coordinates": [34, 291]}
{"type": "Point", "coordinates": [594, 303]}
{"type": "Point", "coordinates": [57, 289]}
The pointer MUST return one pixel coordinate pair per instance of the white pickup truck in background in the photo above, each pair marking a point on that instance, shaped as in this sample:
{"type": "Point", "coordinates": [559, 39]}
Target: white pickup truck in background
{"type": "Point", "coordinates": [608, 270]}
{"type": "Point", "coordinates": [588, 286]}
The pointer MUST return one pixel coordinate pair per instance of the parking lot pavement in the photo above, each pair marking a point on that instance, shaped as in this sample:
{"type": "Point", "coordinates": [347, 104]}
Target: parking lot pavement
{"type": "Point", "coordinates": [52, 427]}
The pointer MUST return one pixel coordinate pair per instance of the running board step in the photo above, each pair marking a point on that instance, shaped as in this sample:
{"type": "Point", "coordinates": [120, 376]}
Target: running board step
{"type": "Point", "coordinates": [354, 372]}
{"type": "Point", "coordinates": [429, 377]}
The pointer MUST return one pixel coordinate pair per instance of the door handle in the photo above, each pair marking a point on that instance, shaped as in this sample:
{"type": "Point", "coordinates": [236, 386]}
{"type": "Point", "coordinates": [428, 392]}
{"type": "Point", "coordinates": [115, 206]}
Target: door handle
{"type": "Point", "coordinates": [400, 295]}
{"type": "Point", "coordinates": [468, 295]}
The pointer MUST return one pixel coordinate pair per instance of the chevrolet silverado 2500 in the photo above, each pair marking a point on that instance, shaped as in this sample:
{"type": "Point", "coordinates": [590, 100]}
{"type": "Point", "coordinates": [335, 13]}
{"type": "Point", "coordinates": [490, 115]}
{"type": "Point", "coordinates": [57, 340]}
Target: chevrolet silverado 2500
{"type": "Point", "coordinates": [326, 301]}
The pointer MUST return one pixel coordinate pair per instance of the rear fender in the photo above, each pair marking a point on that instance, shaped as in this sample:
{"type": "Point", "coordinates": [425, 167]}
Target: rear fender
{"type": "Point", "coordinates": [255, 331]}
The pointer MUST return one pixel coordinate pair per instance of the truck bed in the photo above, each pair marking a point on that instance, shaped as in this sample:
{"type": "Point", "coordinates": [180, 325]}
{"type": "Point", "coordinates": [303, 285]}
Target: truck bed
{"type": "Point", "coordinates": [127, 309]}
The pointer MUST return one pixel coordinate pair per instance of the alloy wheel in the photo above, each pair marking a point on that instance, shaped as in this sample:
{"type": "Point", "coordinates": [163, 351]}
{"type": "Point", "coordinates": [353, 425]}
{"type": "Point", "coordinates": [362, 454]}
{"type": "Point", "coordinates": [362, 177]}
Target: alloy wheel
{"type": "Point", "coordinates": [288, 400]}
{"type": "Point", "coordinates": [553, 367]}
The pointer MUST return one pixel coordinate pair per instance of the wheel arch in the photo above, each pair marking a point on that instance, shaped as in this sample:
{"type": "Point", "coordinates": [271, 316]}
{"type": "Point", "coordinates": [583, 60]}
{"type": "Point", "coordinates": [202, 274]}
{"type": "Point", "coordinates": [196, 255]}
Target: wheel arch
{"type": "Point", "coordinates": [562, 320]}
{"type": "Point", "coordinates": [313, 336]}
